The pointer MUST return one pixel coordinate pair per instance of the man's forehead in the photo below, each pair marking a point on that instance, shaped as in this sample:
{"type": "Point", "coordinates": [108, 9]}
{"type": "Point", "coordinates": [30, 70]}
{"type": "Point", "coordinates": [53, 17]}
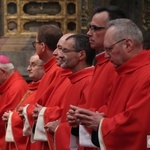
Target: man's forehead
{"type": "Point", "coordinates": [101, 17]}
{"type": "Point", "coordinates": [69, 41]}
{"type": "Point", "coordinates": [109, 32]}
{"type": "Point", "coordinates": [59, 43]}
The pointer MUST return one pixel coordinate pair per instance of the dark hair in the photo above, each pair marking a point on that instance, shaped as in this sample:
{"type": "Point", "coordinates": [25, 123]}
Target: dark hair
{"type": "Point", "coordinates": [114, 12]}
{"type": "Point", "coordinates": [49, 34]}
{"type": "Point", "coordinates": [81, 42]}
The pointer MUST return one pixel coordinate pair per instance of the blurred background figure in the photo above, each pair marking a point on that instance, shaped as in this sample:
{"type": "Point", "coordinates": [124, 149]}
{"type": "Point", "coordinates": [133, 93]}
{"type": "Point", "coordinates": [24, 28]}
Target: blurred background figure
{"type": "Point", "coordinates": [12, 88]}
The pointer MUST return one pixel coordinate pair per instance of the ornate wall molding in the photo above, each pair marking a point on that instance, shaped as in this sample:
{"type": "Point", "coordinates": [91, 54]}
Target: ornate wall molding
{"type": "Point", "coordinates": [146, 14]}
{"type": "Point", "coordinates": [23, 17]}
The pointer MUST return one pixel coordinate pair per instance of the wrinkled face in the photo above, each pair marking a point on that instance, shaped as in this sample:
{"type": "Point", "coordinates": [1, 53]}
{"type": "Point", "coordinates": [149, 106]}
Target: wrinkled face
{"type": "Point", "coordinates": [115, 50]}
{"type": "Point", "coordinates": [35, 68]}
{"type": "Point", "coordinates": [59, 56]}
{"type": "Point", "coordinates": [71, 56]}
{"type": "Point", "coordinates": [96, 30]}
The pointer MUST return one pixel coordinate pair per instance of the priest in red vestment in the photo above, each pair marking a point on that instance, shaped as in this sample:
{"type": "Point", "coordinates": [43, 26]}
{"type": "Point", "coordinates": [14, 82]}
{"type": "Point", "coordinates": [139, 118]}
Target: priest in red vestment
{"type": "Point", "coordinates": [12, 88]}
{"type": "Point", "coordinates": [104, 76]}
{"type": "Point", "coordinates": [78, 57]}
{"type": "Point", "coordinates": [45, 43]}
{"type": "Point", "coordinates": [55, 102]}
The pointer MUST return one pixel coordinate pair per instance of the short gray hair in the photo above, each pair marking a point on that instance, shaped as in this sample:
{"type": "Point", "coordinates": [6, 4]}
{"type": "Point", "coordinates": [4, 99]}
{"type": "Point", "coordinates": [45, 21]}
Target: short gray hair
{"type": "Point", "coordinates": [125, 28]}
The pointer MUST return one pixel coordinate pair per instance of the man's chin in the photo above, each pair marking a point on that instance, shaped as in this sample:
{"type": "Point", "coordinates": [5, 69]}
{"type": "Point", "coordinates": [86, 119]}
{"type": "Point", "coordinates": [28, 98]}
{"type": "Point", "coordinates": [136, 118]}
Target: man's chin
{"type": "Point", "coordinates": [63, 66]}
{"type": "Point", "coordinates": [58, 64]}
{"type": "Point", "coordinates": [92, 46]}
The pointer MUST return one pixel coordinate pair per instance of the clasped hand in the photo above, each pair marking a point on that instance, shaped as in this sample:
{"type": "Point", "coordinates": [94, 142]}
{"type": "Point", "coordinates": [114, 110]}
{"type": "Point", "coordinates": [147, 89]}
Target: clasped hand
{"type": "Point", "coordinates": [36, 111]}
{"type": "Point", "coordinates": [90, 119]}
{"type": "Point", "coordinates": [51, 126]}
{"type": "Point", "coordinates": [5, 116]}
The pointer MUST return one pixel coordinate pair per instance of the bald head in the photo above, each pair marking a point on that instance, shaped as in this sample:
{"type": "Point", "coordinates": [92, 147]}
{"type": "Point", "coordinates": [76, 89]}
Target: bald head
{"type": "Point", "coordinates": [58, 53]}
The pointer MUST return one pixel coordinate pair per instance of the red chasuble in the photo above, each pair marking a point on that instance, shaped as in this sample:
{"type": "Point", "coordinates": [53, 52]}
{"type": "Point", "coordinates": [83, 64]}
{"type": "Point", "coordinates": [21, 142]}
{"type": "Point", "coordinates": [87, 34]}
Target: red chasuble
{"type": "Point", "coordinates": [49, 80]}
{"type": "Point", "coordinates": [11, 93]}
{"type": "Point", "coordinates": [79, 82]}
{"type": "Point", "coordinates": [100, 87]}
{"type": "Point", "coordinates": [55, 103]}
{"type": "Point", "coordinates": [127, 124]}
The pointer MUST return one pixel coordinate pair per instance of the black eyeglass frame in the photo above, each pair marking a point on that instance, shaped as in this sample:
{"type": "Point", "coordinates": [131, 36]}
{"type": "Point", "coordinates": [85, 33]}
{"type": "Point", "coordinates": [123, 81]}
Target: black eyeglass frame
{"type": "Point", "coordinates": [109, 48]}
{"type": "Point", "coordinates": [65, 50]}
{"type": "Point", "coordinates": [95, 28]}
{"type": "Point", "coordinates": [34, 43]}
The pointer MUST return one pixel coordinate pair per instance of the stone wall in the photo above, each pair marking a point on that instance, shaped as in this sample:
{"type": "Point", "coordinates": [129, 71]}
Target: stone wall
{"type": "Point", "coordinates": [19, 50]}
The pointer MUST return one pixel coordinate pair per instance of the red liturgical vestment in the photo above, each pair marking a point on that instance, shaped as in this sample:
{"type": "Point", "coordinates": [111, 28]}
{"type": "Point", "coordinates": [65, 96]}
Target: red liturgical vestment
{"type": "Point", "coordinates": [101, 84]}
{"type": "Point", "coordinates": [20, 141]}
{"type": "Point", "coordinates": [11, 93]}
{"type": "Point", "coordinates": [79, 81]}
{"type": "Point", "coordinates": [127, 124]}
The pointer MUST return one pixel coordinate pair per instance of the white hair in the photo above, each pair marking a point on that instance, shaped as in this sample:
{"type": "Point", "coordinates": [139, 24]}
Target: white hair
{"type": "Point", "coordinates": [7, 67]}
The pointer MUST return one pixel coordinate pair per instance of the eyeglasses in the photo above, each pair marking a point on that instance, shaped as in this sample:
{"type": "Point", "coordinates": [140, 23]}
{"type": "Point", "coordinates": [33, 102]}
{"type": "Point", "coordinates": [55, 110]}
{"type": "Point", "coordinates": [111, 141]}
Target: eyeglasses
{"type": "Point", "coordinates": [95, 28]}
{"type": "Point", "coordinates": [65, 50]}
{"type": "Point", "coordinates": [109, 48]}
{"type": "Point", "coordinates": [34, 65]}
{"type": "Point", "coordinates": [34, 43]}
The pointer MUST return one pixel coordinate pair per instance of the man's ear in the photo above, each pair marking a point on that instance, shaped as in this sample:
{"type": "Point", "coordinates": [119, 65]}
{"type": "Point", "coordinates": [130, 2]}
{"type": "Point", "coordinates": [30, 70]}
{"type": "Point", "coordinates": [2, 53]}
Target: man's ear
{"type": "Point", "coordinates": [43, 47]}
{"type": "Point", "coordinates": [82, 55]}
{"type": "Point", "coordinates": [3, 71]}
{"type": "Point", "coordinates": [129, 44]}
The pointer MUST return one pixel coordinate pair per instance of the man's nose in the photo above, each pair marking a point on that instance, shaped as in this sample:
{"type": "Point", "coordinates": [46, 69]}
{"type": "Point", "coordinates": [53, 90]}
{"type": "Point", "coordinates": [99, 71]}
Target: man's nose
{"type": "Point", "coordinates": [89, 33]}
